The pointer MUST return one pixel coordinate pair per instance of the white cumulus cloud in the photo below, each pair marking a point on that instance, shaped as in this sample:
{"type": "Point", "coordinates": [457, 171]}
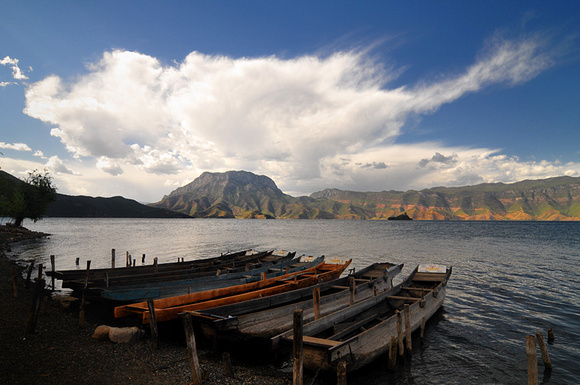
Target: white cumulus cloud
{"type": "Point", "coordinates": [307, 122]}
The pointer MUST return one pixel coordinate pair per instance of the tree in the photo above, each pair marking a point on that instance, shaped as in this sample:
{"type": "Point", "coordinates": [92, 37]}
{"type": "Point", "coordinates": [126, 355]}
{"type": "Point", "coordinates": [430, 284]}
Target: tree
{"type": "Point", "coordinates": [31, 198]}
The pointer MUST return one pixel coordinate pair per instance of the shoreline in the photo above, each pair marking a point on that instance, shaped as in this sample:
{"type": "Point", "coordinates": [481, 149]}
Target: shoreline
{"type": "Point", "coordinates": [60, 352]}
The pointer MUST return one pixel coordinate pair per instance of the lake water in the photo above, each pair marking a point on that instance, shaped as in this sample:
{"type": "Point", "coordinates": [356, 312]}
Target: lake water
{"type": "Point", "coordinates": [509, 279]}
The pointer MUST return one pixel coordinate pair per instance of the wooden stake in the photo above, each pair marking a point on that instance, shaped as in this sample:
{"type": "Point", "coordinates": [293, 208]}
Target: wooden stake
{"type": "Point", "coordinates": [36, 303]}
{"type": "Point", "coordinates": [400, 333]}
{"type": "Point", "coordinates": [408, 328]}
{"type": "Point", "coordinates": [341, 373]}
{"type": "Point", "coordinates": [15, 281]}
{"type": "Point", "coordinates": [82, 308]}
{"type": "Point", "coordinates": [127, 259]}
{"type": "Point", "coordinates": [392, 353]}
{"type": "Point", "coordinates": [52, 266]}
{"type": "Point", "coordinates": [228, 368]}
{"type": "Point", "coordinates": [29, 273]}
{"type": "Point", "coordinates": [544, 351]}
{"type": "Point", "coordinates": [422, 329]}
{"type": "Point", "coordinates": [155, 264]}
{"type": "Point", "coordinates": [352, 286]}
{"type": "Point", "coordinates": [316, 302]}
{"type": "Point", "coordinates": [192, 349]}
{"type": "Point", "coordinates": [551, 337]}
{"type": "Point", "coordinates": [112, 258]}
{"type": "Point", "coordinates": [143, 259]}
{"type": "Point", "coordinates": [532, 360]}
{"type": "Point", "coordinates": [297, 359]}
{"type": "Point", "coordinates": [153, 323]}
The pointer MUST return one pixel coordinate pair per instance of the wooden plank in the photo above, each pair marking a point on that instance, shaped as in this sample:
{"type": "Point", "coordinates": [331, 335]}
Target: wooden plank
{"type": "Point", "coordinates": [320, 341]}
{"type": "Point", "coordinates": [397, 297]}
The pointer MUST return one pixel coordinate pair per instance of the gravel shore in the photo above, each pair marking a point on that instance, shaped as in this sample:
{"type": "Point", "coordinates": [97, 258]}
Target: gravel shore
{"type": "Point", "coordinates": [60, 352]}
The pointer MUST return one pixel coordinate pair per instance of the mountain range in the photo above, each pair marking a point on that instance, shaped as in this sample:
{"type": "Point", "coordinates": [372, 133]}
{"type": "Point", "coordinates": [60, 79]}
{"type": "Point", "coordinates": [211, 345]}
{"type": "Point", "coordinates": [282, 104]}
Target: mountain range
{"type": "Point", "coordinates": [242, 194]}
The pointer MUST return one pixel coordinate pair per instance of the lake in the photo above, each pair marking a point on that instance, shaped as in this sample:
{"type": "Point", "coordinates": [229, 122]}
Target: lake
{"type": "Point", "coordinates": [509, 279]}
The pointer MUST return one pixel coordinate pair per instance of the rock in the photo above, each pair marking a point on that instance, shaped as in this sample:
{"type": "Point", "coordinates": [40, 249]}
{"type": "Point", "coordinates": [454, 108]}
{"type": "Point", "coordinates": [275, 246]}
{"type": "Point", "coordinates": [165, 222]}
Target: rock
{"type": "Point", "coordinates": [66, 301]}
{"type": "Point", "coordinates": [118, 335]}
{"type": "Point", "coordinates": [125, 335]}
{"type": "Point", "coordinates": [101, 333]}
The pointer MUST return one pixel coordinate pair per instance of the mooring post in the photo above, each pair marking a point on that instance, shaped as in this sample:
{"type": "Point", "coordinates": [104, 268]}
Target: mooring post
{"type": "Point", "coordinates": [551, 337]}
{"type": "Point", "coordinates": [52, 267]}
{"type": "Point", "coordinates": [422, 329]}
{"type": "Point", "coordinates": [297, 358]}
{"type": "Point", "coordinates": [352, 288]}
{"type": "Point", "coordinates": [29, 274]}
{"type": "Point", "coordinates": [532, 360]}
{"type": "Point", "coordinates": [112, 258]}
{"type": "Point", "coordinates": [77, 261]}
{"type": "Point", "coordinates": [341, 373]}
{"type": "Point", "coordinates": [191, 349]}
{"type": "Point", "coordinates": [153, 323]}
{"type": "Point", "coordinates": [82, 307]}
{"type": "Point", "coordinates": [544, 351]}
{"type": "Point", "coordinates": [316, 302]}
{"type": "Point", "coordinates": [36, 303]}
{"type": "Point", "coordinates": [156, 268]}
{"type": "Point", "coordinates": [15, 281]}
{"type": "Point", "coordinates": [228, 368]}
{"type": "Point", "coordinates": [143, 259]}
{"type": "Point", "coordinates": [392, 353]}
{"type": "Point", "coordinates": [408, 328]}
{"type": "Point", "coordinates": [127, 259]}
{"type": "Point", "coordinates": [400, 333]}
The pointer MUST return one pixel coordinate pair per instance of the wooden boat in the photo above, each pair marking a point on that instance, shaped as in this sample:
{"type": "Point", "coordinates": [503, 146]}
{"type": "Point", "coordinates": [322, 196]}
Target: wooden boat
{"type": "Point", "coordinates": [203, 282]}
{"type": "Point", "coordinates": [169, 308]}
{"type": "Point", "coordinates": [226, 260]}
{"type": "Point", "coordinates": [136, 276]}
{"type": "Point", "coordinates": [360, 333]}
{"type": "Point", "coordinates": [264, 318]}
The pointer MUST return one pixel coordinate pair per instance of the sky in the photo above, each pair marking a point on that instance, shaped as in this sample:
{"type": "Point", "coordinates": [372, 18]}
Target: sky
{"type": "Point", "coordinates": [137, 98]}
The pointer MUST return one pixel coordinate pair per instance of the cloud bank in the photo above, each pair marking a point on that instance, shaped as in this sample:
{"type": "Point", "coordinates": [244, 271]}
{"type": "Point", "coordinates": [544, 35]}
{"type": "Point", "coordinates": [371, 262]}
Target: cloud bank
{"type": "Point", "coordinates": [309, 122]}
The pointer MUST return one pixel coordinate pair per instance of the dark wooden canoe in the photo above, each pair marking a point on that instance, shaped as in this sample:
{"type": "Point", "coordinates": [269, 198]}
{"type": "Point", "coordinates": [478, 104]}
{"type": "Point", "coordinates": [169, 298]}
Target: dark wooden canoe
{"type": "Point", "coordinates": [137, 275]}
{"type": "Point", "coordinates": [205, 263]}
{"type": "Point", "coordinates": [360, 333]}
{"type": "Point", "coordinates": [264, 318]}
{"type": "Point", "coordinates": [163, 289]}
{"type": "Point", "coordinates": [169, 308]}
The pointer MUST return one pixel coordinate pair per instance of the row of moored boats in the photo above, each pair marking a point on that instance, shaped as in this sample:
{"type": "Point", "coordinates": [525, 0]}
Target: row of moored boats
{"type": "Point", "coordinates": [252, 296]}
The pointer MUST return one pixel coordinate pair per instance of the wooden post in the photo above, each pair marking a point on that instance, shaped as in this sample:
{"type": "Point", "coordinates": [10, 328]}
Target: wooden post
{"type": "Point", "coordinates": [77, 261]}
{"type": "Point", "coordinates": [36, 303]}
{"type": "Point", "coordinates": [532, 360]}
{"type": "Point", "coordinates": [316, 302]}
{"type": "Point", "coordinates": [392, 353]}
{"type": "Point", "coordinates": [192, 349]}
{"type": "Point", "coordinates": [52, 266]}
{"type": "Point", "coordinates": [153, 323]}
{"type": "Point", "coordinates": [112, 258]}
{"type": "Point", "coordinates": [29, 273]}
{"type": "Point", "coordinates": [551, 337]}
{"type": "Point", "coordinates": [262, 275]}
{"type": "Point", "coordinates": [544, 351]}
{"type": "Point", "coordinates": [228, 368]}
{"type": "Point", "coordinates": [400, 333]}
{"type": "Point", "coordinates": [422, 329]}
{"type": "Point", "coordinates": [341, 373]}
{"type": "Point", "coordinates": [143, 259]}
{"type": "Point", "coordinates": [155, 264]}
{"type": "Point", "coordinates": [408, 328]}
{"type": "Point", "coordinates": [297, 350]}
{"type": "Point", "coordinates": [127, 259]}
{"type": "Point", "coordinates": [15, 281]}
{"type": "Point", "coordinates": [352, 288]}
{"type": "Point", "coordinates": [82, 308]}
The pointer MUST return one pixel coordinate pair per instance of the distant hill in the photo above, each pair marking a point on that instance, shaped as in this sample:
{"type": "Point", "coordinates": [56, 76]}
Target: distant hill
{"type": "Point", "coordinates": [83, 206]}
{"type": "Point", "coordinates": [553, 199]}
{"type": "Point", "coordinates": [240, 194]}
{"type": "Point", "coordinates": [114, 207]}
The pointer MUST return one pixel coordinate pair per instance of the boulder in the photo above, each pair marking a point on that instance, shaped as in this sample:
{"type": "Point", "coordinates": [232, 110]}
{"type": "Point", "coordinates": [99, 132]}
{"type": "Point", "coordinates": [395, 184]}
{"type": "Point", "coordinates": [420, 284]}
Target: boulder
{"type": "Point", "coordinates": [118, 335]}
{"type": "Point", "coordinates": [101, 333]}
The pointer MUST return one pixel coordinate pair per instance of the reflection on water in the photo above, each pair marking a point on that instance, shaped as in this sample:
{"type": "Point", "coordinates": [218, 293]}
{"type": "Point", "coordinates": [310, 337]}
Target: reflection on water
{"type": "Point", "coordinates": [509, 279]}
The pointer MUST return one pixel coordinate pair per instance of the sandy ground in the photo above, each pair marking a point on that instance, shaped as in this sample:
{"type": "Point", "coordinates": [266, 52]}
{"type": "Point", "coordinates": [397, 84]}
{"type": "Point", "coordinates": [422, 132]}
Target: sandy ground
{"type": "Point", "coordinates": [60, 352]}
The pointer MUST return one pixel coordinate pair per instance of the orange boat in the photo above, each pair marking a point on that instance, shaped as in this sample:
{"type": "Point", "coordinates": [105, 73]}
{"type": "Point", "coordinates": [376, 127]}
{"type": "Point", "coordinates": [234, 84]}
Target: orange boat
{"type": "Point", "coordinates": [169, 308]}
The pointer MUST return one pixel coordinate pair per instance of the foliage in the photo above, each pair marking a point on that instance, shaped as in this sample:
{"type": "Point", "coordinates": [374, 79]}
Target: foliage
{"type": "Point", "coordinates": [31, 198]}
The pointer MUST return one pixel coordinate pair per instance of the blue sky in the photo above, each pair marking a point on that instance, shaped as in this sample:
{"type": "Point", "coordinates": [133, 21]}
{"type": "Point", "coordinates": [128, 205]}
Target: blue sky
{"type": "Point", "coordinates": [136, 98]}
